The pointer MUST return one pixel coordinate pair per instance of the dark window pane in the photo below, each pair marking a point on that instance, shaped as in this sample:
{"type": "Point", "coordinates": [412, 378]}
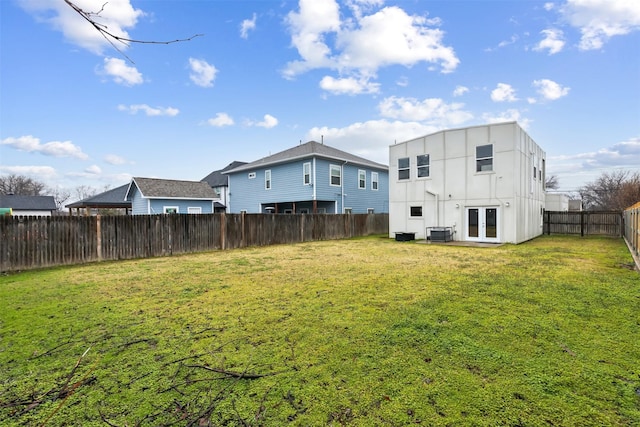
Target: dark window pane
{"type": "Point", "coordinates": [483, 151]}
{"type": "Point", "coordinates": [416, 210]}
{"type": "Point", "coordinates": [423, 160]}
{"type": "Point", "coordinates": [484, 165]}
{"type": "Point", "coordinates": [403, 174]}
{"type": "Point", "coordinates": [423, 171]}
{"type": "Point", "coordinates": [403, 163]}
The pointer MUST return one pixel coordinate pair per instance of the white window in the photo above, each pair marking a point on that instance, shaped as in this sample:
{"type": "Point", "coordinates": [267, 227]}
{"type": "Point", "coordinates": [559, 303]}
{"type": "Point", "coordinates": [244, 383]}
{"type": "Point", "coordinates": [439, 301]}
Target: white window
{"type": "Point", "coordinates": [362, 179]}
{"type": "Point", "coordinates": [170, 209]}
{"type": "Point", "coordinates": [348, 210]}
{"type": "Point", "coordinates": [423, 166]}
{"type": "Point", "coordinates": [252, 175]}
{"type": "Point", "coordinates": [403, 168]}
{"type": "Point", "coordinates": [335, 173]}
{"type": "Point", "coordinates": [306, 173]}
{"type": "Point", "coordinates": [194, 210]}
{"type": "Point", "coordinates": [374, 180]}
{"type": "Point", "coordinates": [484, 158]}
{"type": "Point", "coordinates": [370, 210]}
{"type": "Point", "coordinates": [416, 210]}
{"type": "Point", "coordinates": [267, 179]}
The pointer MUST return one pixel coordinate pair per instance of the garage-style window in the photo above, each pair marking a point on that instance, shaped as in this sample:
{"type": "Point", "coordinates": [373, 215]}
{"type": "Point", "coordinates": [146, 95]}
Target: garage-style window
{"type": "Point", "coordinates": [403, 168]}
{"type": "Point", "coordinates": [484, 158]}
{"type": "Point", "coordinates": [423, 166]}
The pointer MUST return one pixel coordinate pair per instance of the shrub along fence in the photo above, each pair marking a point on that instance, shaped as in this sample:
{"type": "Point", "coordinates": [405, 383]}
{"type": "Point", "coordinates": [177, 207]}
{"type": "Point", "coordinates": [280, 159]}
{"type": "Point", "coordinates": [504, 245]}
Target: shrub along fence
{"type": "Point", "coordinates": [584, 223]}
{"type": "Point", "coordinates": [35, 242]}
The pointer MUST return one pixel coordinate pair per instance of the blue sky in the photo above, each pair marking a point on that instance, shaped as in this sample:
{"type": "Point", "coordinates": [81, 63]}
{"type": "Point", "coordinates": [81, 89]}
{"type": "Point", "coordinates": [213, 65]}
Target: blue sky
{"type": "Point", "coordinates": [265, 75]}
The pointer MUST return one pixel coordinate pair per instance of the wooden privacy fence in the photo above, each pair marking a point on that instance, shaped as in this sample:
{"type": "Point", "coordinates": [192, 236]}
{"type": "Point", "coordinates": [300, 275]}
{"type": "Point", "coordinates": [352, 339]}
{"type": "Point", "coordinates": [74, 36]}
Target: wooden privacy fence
{"type": "Point", "coordinates": [632, 229]}
{"type": "Point", "coordinates": [35, 242]}
{"type": "Point", "coordinates": [584, 223]}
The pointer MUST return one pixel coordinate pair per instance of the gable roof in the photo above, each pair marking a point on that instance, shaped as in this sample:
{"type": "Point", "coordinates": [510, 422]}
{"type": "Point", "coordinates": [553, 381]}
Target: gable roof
{"type": "Point", "coordinates": [114, 198]}
{"type": "Point", "coordinates": [308, 150]}
{"type": "Point", "coordinates": [152, 188]}
{"type": "Point", "coordinates": [218, 179]}
{"type": "Point", "coordinates": [28, 203]}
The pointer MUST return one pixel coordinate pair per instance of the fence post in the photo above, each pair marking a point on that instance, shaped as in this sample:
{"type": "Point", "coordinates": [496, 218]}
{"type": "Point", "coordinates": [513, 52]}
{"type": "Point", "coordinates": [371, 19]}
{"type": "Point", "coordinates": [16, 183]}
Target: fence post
{"type": "Point", "coordinates": [223, 230]}
{"type": "Point", "coordinates": [582, 224]}
{"type": "Point", "coordinates": [99, 237]}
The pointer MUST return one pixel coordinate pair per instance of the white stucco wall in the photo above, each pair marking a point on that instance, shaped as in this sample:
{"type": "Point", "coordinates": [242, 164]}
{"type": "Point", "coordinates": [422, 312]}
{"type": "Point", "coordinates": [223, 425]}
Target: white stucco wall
{"type": "Point", "coordinates": [557, 202]}
{"type": "Point", "coordinates": [454, 186]}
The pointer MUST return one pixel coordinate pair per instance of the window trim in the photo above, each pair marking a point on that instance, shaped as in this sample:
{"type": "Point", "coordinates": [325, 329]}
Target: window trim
{"type": "Point", "coordinates": [197, 209]}
{"type": "Point", "coordinates": [166, 208]}
{"type": "Point", "coordinates": [418, 212]}
{"type": "Point", "coordinates": [426, 166]}
{"type": "Point", "coordinates": [362, 179]}
{"type": "Point", "coordinates": [251, 175]}
{"type": "Point", "coordinates": [371, 211]}
{"type": "Point", "coordinates": [267, 179]}
{"type": "Point", "coordinates": [306, 173]}
{"type": "Point", "coordinates": [348, 211]}
{"type": "Point", "coordinates": [406, 169]}
{"type": "Point", "coordinates": [375, 183]}
{"type": "Point", "coordinates": [479, 159]}
{"type": "Point", "coordinates": [337, 168]}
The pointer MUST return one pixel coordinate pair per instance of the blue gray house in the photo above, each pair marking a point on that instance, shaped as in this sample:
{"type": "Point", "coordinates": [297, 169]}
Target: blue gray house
{"type": "Point", "coordinates": [220, 184]}
{"type": "Point", "coordinates": [165, 196]}
{"type": "Point", "coordinates": [309, 178]}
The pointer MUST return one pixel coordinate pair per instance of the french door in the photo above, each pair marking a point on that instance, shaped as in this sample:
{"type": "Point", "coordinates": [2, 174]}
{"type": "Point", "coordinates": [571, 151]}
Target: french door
{"type": "Point", "coordinates": [482, 224]}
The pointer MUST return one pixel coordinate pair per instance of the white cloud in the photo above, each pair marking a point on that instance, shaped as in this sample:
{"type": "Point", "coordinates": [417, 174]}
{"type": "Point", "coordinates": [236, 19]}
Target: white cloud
{"type": "Point", "coordinates": [370, 139]}
{"type": "Point", "coordinates": [117, 16]}
{"type": "Point", "coordinates": [93, 170]}
{"type": "Point", "coordinates": [549, 6]}
{"type": "Point", "coordinates": [552, 41]}
{"type": "Point", "coordinates": [599, 20]}
{"type": "Point", "coordinates": [624, 154]}
{"type": "Point", "coordinates": [247, 25]}
{"type": "Point", "coordinates": [432, 110]}
{"type": "Point", "coordinates": [268, 122]}
{"type": "Point", "coordinates": [149, 111]}
{"type": "Point", "coordinates": [32, 144]}
{"type": "Point", "coordinates": [202, 73]}
{"type": "Point", "coordinates": [114, 159]}
{"type": "Point", "coordinates": [503, 93]}
{"type": "Point", "coordinates": [348, 86]}
{"type": "Point", "coordinates": [44, 172]}
{"type": "Point", "coordinates": [460, 90]}
{"type": "Point", "coordinates": [550, 90]}
{"type": "Point", "coordinates": [511, 115]}
{"type": "Point", "coordinates": [358, 46]}
{"type": "Point", "coordinates": [121, 73]}
{"type": "Point", "coordinates": [221, 120]}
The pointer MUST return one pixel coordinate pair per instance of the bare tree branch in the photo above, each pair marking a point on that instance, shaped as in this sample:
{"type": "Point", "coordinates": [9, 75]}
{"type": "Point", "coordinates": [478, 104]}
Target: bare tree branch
{"type": "Point", "coordinates": [110, 37]}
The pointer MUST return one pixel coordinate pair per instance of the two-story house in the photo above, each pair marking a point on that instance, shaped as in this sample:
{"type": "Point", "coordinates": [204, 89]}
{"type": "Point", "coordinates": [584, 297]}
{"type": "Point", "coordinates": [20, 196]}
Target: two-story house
{"type": "Point", "coordinates": [219, 182]}
{"type": "Point", "coordinates": [309, 178]}
{"type": "Point", "coordinates": [480, 183]}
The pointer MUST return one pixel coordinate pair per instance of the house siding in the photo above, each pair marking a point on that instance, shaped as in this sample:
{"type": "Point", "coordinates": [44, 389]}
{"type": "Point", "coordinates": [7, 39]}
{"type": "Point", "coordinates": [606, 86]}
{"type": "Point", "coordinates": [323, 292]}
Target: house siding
{"type": "Point", "coordinates": [144, 206]}
{"type": "Point", "coordinates": [287, 185]}
{"type": "Point", "coordinates": [454, 185]}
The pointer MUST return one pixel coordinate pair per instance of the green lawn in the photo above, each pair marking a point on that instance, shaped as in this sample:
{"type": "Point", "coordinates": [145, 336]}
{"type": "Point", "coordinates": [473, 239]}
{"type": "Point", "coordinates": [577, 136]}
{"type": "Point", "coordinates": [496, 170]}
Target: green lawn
{"type": "Point", "coordinates": [358, 332]}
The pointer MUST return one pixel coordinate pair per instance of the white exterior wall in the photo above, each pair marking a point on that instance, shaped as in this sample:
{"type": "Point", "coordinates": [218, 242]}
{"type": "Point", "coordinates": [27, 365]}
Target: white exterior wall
{"type": "Point", "coordinates": [453, 185]}
{"type": "Point", "coordinates": [557, 202]}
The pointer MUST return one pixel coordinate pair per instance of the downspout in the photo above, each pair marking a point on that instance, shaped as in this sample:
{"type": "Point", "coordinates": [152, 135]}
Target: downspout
{"type": "Point", "coordinates": [437, 206]}
{"type": "Point", "coordinates": [342, 184]}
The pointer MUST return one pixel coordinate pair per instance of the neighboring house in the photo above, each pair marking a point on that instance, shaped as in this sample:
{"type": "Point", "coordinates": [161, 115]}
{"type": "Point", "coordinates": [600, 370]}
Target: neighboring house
{"type": "Point", "coordinates": [29, 205]}
{"type": "Point", "coordinates": [164, 196]}
{"type": "Point", "coordinates": [575, 205]}
{"type": "Point", "coordinates": [556, 202]}
{"type": "Point", "coordinates": [113, 199]}
{"type": "Point", "coordinates": [309, 178]}
{"type": "Point", "coordinates": [480, 183]}
{"type": "Point", "coordinates": [220, 184]}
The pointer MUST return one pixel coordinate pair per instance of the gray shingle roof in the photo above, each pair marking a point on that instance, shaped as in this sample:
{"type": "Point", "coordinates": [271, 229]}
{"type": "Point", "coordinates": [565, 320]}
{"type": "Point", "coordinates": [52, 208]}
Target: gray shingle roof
{"type": "Point", "coordinates": [153, 188]}
{"type": "Point", "coordinates": [110, 198]}
{"type": "Point", "coordinates": [218, 179]}
{"type": "Point", "coordinates": [307, 150]}
{"type": "Point", "coordinates": [28, 203]}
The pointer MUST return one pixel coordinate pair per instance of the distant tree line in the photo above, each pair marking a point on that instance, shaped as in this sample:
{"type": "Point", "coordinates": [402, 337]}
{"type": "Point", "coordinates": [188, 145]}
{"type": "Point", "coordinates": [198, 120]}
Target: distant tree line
{"type": "Point", "coordinates": [616, 191]}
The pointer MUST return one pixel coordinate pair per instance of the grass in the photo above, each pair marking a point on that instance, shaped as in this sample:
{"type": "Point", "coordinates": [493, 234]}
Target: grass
{"type": "Point", "coordinates": [357, 332]}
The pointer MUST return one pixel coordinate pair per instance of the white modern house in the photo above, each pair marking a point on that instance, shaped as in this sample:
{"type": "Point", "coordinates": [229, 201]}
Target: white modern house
{"type": "Point", "coordinates": [480, 183]}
